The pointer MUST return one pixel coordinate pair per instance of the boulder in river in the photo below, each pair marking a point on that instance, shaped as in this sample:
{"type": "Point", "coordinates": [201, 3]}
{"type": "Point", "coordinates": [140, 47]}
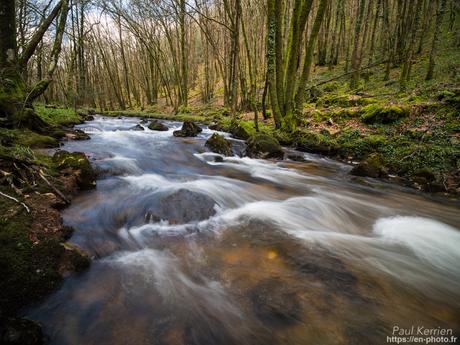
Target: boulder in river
{"type": "Point", "coordinates": [372, 166]}
{"type": "Point", "coordinates": [275, 303]}
{"type": "Point", "coordinates": [183, 206]}
{"type": "Point", "coordinates": [77, 134]}
{"type": "Point", "coordinates": [156, 125]}
{"type": "Point", "coordinates": [264, 146]}
{"type": "Point", "coordinates": [78, 165]}
{"type": "Point", "coordinates": [189, 129]}
{"type": "Point", "coordinates": [218, 144]}
{"type": "Point", "coordinates": [137, 128]}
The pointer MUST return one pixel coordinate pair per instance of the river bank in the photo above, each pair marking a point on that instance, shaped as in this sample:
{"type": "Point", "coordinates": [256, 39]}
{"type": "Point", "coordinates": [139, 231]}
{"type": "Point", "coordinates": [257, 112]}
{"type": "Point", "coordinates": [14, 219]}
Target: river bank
{"type": "Point", "coordinates": [35, 188]}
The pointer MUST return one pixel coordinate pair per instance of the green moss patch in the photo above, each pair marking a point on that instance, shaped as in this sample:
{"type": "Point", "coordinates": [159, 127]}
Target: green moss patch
{"type": "Point", "coordinates": [376, 113]}
{"type": "Point", "coordinates": [29, 271]}
{"type": "Point", "coordinates": [57, 116]}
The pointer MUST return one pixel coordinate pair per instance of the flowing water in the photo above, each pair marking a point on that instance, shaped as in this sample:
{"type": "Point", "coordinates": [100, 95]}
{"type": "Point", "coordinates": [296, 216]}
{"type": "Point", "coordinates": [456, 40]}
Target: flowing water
{"type": "Point", "coordinates": [190, 249]}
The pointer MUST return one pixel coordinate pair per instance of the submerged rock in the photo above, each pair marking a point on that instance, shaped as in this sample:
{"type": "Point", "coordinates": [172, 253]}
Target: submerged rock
{"type": "Point", "coordinates": [157, 126]}
{"type": "Point", "coordinates": [372, 166]}
{"type": "Point", "coordinates": [182, 206]}
{"type": "Point", "coordinates": [264, 146]}
{"type": "Point", "coordinates": [218, 144]}
{"type": "Point", "coordinates": [274, 303]}
{"type": "Point", "coordinates": [78, 165]}
{"type": "Point", "coordinates": [189, 129]}
{"type": "Point", "coordinates": [296, 157]}
{"type": "Point", "coordinates": [137, 128]}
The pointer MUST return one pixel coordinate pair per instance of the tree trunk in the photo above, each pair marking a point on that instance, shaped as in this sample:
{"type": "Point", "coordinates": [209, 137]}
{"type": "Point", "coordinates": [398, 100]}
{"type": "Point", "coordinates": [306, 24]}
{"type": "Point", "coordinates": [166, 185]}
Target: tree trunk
{"type": "Point", "coordinates": [434, 43]}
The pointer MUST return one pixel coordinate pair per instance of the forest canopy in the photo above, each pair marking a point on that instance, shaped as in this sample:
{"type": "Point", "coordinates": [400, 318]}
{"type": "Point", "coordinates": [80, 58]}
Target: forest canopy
{"type": "Point", "coordinates": [247, 55]}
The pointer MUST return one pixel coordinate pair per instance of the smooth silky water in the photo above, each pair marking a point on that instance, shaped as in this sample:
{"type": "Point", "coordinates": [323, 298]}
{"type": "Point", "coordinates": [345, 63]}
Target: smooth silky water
{"type": "Point", "coordinates": [254, 252]}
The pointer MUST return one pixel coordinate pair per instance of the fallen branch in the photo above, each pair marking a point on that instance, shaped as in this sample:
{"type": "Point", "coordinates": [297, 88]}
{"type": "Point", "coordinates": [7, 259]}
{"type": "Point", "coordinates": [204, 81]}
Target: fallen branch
{"type": "Point", "coordinates": [57, 191]}
{"type": "Point", "coordinates": [16, 200]}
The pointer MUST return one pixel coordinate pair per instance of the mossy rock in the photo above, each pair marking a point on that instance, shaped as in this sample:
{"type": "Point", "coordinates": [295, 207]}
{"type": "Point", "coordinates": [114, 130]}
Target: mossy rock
{"type": "Point", "coordinates": [372, 166]}
{"type": "Point", "coordinates": [263, 145]}
{"type": "Point", "coordinates": [189, 129]}
{"type": "Point", "coordinates": [218, 144]}
{"type": "Point", "coordinates": [239, 132]}
{"type": "Point", "coordinates": [216, 126]}
{"type": "Point", "coordinates": [158, 126]}
{"type": "Point", "coordinates": [74, 259]}
{"type": "Point", "coordinates": [79, 164]}
{"type": "Point", "coordinates": [376, 113]}
{"type": "Point", "coordinates": [316, 143]}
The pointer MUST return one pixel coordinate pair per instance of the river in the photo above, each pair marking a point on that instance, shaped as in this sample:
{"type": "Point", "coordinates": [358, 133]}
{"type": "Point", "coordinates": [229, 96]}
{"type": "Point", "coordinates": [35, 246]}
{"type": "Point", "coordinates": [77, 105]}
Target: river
{"type": "Point", "coordinates": [192, 249]}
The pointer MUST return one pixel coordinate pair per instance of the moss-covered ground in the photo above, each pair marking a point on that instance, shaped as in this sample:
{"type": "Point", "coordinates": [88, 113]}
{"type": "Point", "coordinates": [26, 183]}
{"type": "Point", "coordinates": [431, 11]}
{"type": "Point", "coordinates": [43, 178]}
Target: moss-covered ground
{"type": "Point", "coordinates": [30, 260]}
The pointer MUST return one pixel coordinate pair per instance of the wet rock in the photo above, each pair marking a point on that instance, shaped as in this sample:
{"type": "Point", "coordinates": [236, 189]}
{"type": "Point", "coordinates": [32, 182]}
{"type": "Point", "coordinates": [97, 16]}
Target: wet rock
{"type": "Point", "coordinates": [264, 146]}
{"type": "Point", "coordinates": [182, 206]}
{"type": "Point", "coordinates": [372, 166]}
{"type": "Point", "coordinates": [137, 128]}
{"type": "Point", "coordinates": [17, 331]}
{"type": "Point", "coordinates": [73, 259]}
{"type": "Point", "coordinates": [89, 118]}
{"type": "Point", "coordinates": [78, 165]}
{"type": "Point", "coordinates": [157, 126]}
{"type": "Point", "coordinates": [296, 157]}
{"type": "Point", "coordinates": [239, 132]}
{"type": "Point", "coordinates": [218, 144]}
{"type": "Point", "coordinates": [189, 129]}
{"type": "Point", "coordinates": [216, 127]}
{"type": "Point", "coordinates": [274, 304]}
{"type": "Point", "coordinates": [76, 134]}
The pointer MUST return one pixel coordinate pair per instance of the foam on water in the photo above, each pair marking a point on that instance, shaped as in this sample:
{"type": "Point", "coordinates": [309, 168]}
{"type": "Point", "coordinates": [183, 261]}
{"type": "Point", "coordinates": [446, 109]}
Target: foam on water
{"type": "Point", "coordinates": [433, 242]}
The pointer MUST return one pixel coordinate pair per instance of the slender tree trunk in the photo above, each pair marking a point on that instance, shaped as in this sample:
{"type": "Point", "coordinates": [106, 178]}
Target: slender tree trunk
{"type": "Point", "coordinates": [434, 43]}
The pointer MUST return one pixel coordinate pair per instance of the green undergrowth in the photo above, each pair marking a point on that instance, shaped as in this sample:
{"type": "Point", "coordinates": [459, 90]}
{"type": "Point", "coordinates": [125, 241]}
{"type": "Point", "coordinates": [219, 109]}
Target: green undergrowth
{"type": "Point", "coordinates": [57, 116]}
{"type": "Point", "coordinates": [161, 116]}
